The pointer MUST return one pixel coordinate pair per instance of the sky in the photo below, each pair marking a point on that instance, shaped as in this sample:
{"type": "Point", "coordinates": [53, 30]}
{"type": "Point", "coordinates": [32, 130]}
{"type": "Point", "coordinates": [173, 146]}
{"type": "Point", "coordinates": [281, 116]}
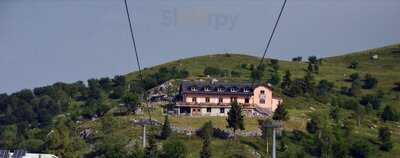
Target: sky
{"type": "Point", "coordinates": [47, 41]}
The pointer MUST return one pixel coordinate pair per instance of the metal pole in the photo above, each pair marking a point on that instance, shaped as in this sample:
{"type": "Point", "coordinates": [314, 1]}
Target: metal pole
{"type": "Point", "coordinates": [144, 136]}
{"type": "Point", "coordinates": [273, 143]}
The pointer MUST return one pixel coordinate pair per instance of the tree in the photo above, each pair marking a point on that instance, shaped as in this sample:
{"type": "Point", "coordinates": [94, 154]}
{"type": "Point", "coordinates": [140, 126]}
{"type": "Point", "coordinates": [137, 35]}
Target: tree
{"type": "Point", "coordinates": [63, 140]}
{"type": "Point", "coordinates": [287, 80]}
{"type": "Point", "coordinates": [359, 112]}
{"type": "Point", "coordinates": [275, 64]}
{"type": "Point", "coordinates": [296, 88]}
{"type": "Point", "coordinates": [151, 151]}
{"type": "Point", "coordinates": [206, 149]}
{"type": "Point", "coordinates": [166, 129]}
{"type": "Point", "coordinates": [131, 102]}
{"type": "Point", "coordinates": [207, 130]}
{"type": "Point", "coordinates": [174, 149]}
{"type": "Point", "coordinates": [106, 84]}
{"type": "Point", "coordinates": [388, 114]}
{"type": "Point", "coordinates": [353, 64]}
{"type": "Point", "coordinates": [355, 89]}
{"type": "Point", "coordinates": [297, 59]}
{"type": "Point", "coordinates": [375, 101]}
{"type": "Point", "coordinates": [206, 134]}
{"type": "Point", "coordinates": [384, 136]}
{"type": "Point", "coordinates": [309, 83]}
{"type": "Point", "coordinates": [370, 82]}
{"type": "Point", "coordinates": [360, 149]}
{"type": "Point", "coordinates": [281, 113]}
{"type": "Point", "coordinates": [354, 76]}
{"type": "Point", "coordinates": [275, 78]}
{"type": "Point", "coordinates": [213, 71]}
{"type": "Point", "coordinates": [257, 73]}
{"type": "Point", "coordinates": [324, 87]}
{"type": "Point", "coordinates": [8, 137]}
{"type": "Point", "coordinates": [313, 64]}
{"type": "Point", "coordinates": [235, 117]}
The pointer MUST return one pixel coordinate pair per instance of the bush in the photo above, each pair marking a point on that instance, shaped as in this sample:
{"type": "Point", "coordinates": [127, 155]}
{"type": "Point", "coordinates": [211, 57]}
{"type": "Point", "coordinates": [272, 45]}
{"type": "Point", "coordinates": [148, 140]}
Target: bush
{"type": "Point", "coordinates": [218, 133]}
{"type": "Point", "coordinates": [174, 149]}
{"type": "Point", "coordinates": [235, 73]}
{"type": "Point", "coordinates": [353, 65]}
{"type": "Point", "coordinates": [360, 149]}
{"type": "Point", "coordinates": [397, 86]}
{"type": "Point", "coordinates": [370, 82]}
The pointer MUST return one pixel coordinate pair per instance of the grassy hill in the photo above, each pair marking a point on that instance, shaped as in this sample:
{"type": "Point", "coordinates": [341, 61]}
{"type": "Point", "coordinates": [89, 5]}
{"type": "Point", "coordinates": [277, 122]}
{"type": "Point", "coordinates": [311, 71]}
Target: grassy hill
{"type": "Point", "coordinates": [386, 69]}
{"type": "Point", "coordinates": [334, 69]}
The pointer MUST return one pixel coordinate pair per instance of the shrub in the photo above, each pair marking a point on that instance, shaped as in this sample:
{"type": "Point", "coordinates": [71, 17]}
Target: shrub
{"type": "Point", "coordinates": [353, 65]}
{"type": "Point", "coordinates": [370, 82]}
{"type": "Point", "coordinates": [360, 149]}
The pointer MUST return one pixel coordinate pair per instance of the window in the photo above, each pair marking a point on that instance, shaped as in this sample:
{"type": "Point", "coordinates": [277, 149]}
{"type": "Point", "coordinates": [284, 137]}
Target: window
{"type": "Point", "coordinates": [207, 99]}
{"type": "Point", "coordinates": [246, 90]}
{"type": "Point", "coordinates": [221, 110]}
{"type": "Point", "coordinates": [194, 99]}
{"type": "Point", "coordinates": [194, 89]}
{"type": "Point", "coordinates": [262, 101]}
{"type": "Point", "coordinates": [206, 89]}
{"type": "Point", "coordinates": [194, 110]}
{"type": "Point", "coordinates": [246, 100]}
{"type": "Point", "coordinates": [262, 92]}
{"type": "Point", "coordinates": [233, 99]}
{"type": "Point", "coordinates": [208, 109]}
{"type": "Point", "coordinates": [220, 100]}
{"type": "Point", "coordinates": [233, 90]}
{"type": "Point", "coordinates": [219, 89]}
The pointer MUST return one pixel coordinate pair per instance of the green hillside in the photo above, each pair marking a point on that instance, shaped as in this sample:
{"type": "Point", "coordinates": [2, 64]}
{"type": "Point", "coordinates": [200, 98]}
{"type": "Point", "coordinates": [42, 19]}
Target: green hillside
{"type": "Point", "coordinates": [334, 69]}
{"type": "Point", "coordinates": [386, 69]}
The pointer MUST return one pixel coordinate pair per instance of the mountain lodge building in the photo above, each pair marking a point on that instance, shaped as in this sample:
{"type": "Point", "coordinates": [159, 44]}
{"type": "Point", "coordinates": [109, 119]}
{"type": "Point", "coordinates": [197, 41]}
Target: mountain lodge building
{"type": "Point", "coordinates": [214, 98]}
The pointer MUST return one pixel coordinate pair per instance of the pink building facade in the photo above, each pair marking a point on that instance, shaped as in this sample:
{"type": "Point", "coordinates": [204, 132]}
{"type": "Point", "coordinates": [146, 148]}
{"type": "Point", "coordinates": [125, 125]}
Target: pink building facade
{"type": "Point", "coordinates": [214, 99]}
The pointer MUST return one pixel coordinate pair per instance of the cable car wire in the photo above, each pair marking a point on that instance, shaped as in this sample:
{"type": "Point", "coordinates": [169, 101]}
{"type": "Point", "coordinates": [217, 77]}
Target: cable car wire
{"type": "Point", "coordinates": [273, 32]}
{"type": "Point", "coordinates": [133, 40]}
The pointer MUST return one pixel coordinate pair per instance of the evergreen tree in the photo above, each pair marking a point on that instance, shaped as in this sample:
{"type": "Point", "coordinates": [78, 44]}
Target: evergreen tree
{"type": "Point", "coordinates": [281, 113]}
{"type": "Point", "coordinates": [166, 129]}
{"type": "Point", "coordinates": [287, 80]}
{"type": "Point", "coordinates": [275, 78]}
{"type": "Point", "coordinates": [388, 114]}
{"type": "Point", "coordinates": [235, 117]}
{"type": "Point", "coordinates": [384, 135]}
{"type": "Point", "coordinates": [206, 135]}
{"type": "Point", "coordinates": [206, 149]}
{"type": "Point", "coordinates": [355, 89]}
{"type": "Point", "coordinates": [353, 64]}
{"type": "Point", "coordinates": [309, 83]}
{"type": "Point", "coordinates": [151, 150]}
